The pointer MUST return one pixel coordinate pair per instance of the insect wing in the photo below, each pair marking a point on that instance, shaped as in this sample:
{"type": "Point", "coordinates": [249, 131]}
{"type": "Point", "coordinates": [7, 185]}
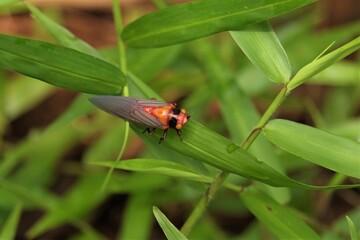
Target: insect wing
{"type": "Point", "coordinates": [129, 108]}
{"type": "Point", "coordinates": [150, 103]}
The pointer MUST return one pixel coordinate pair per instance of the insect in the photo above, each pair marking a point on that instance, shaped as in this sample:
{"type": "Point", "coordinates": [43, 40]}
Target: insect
{"type": "Point", "coordinates": [152, 113]}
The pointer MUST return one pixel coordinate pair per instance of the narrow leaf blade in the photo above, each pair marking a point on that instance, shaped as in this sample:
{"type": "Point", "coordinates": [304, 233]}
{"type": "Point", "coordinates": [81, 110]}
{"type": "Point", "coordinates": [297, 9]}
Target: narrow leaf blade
{"type": "Point", "coordinates": [59, 66]}
{"type": "Point", "coordinates": [324, 62]}
{"type": "Point", "coordinates": [64, 36]}
{"type": "Point", "coordinates": [169, 229]}
{"type": "Point", "coordinates": [157, 166]}
{"type": "Point", "coordinates": [352, 229]}
{"type": "Point", "coordinates": [196, 142]}
{"type": "Point", "coordinates": [325, 149]}
{"type": "Point", "coordinates": [8, 230]}
{"type": "Point", "coordinates": [280, 220]}
{"type": "Point", "coordinates": [263, 48]}
{"type": "Point", "coordinates": [192, 20]}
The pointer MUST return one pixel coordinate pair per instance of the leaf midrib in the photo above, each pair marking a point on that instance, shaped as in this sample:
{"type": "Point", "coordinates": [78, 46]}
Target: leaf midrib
{"type": "Point", "coordinates": [65, 71]}
{"type": "Point", "coordinates": [144, 36]}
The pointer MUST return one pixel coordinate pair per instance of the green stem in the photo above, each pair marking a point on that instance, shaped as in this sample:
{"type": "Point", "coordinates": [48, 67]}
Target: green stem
{"type": "Point", "coordinates": [123, 68]}
{"type": "Point", "coordinates": [264, 119]}
{"type": "Point", "coordinates": [215, 186]}
{"type": "Point", "coordinates": [119, 28]}
{"type": "Point", "coordinates": [202, 204]}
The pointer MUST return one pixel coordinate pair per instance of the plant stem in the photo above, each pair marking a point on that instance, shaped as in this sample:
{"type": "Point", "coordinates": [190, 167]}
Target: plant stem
{"type": "Point", "coordinates": [123, 68]}
{"type": "Point", "coordinates": [264, 119]}
{"type": "Point", "coordinates": [202, 204]}
{"type": "Point", "coordinates": [215, 186]}
{"type": "Point", "coordinates": [119, 28]}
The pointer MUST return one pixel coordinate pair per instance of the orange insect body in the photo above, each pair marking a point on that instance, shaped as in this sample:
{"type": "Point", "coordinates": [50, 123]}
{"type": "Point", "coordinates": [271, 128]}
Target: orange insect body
{"type": "Point", "coordinates": [166, 114]}
{"type": "Point", "coordinates": [161, 113]}
{"type": "Point", "coordinates": [152, 113]}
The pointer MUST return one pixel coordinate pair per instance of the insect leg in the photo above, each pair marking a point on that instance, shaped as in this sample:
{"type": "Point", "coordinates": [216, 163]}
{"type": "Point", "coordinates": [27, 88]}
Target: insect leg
{"type": "Point", "coordinates": [150, 131]}
{"type": "Point", "coordinates": [163, 136]}
{"type": "Point", "coordinates": [178, 131]}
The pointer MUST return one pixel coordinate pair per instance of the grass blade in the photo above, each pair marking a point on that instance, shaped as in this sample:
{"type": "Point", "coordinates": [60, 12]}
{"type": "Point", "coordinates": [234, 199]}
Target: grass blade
{"type": "Point", "coordinates": [8, 230]}
{"type": "Point", "coordinates": [169, 229]}
{"type": "Point", "coordinates": [157, 166]}
{"type": "Point", "coordinates": [59, 66]}
{"type": "Point", "coordinates": [192, 20]}
{"type": "Point", "coordinates": [321, 63]}
{"type": "Point", "coordinates": [196, 142]}
{"type": "Point", "coordinates": [325, 149]}
{"type": "Point", "coordinates": [280, 220]}
{"type": "Point", "coordinates": [64, 36]}
{"type": "Point", "coordinates": [263, 48]}
{"type": "Point", "coordinates": [353, 233]}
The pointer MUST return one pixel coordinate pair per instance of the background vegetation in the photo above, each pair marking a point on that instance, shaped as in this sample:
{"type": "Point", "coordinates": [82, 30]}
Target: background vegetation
{"type": "Point", "coordinates": [271, 150]}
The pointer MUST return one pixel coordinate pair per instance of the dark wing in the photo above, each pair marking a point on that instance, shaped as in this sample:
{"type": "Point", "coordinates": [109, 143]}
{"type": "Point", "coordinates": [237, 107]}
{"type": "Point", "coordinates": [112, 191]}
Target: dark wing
{"type": "Point", "coordinates": [129, 108]}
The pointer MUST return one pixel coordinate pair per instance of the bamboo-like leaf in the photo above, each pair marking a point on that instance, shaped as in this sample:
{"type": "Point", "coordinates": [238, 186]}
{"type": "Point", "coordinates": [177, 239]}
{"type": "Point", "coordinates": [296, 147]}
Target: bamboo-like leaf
{"type": "Point", "coordinates": [169, 229]}
{"type": "Point", "coordinates": [8, 229]}
{"type": "Point", "coordinates": [325, 149]}
{"type": "Point", "coordinates": [238, 112]}
{"type": "Point", "coordinates": [79, 107]}
{"type": "Point", "coordinates": [157, 166]}
{"type": "Point", "coordinates": [146, 63]}
{"type": "Point", "coordinates": [192, 20]}
{"type": "Point", "coordinates": [20, 100]}
{"type": "Point", "coordinates": [196, 142]}
{"type": "Point", "coordinates": [353, 233]}
{"type": "Point", "coordinates": [64, 36]}
{"type": "Point", "coordinates": [343, 73]}
{"type": "Point", "coordinates": [6, 3]}
{"type": "Point", "coordinates": [59, 66]}
{"type": "Point", "coordinates": [79, 201]}
{"type": "Point", "coordinates": [323, 62]}
{"type": "Point", "coordinates": [138, 209]}
{"type": "Point", "coordinates": [263, 48]}
{"type": "Point", "coordinates": [280, 220]}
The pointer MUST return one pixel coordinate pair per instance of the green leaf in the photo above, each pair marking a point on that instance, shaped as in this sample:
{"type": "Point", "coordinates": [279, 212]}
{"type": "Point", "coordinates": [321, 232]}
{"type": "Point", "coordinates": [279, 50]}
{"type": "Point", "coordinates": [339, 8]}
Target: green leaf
{"type": "Point", "coordinates": [79, 107]}
{"type": "Point", "coordinates": [353, 233]}
{"type": "Point", "coordinates": [78, 202]}
{"type": "Point", "coordinates": [280, 220]}
{"type": "Point", "coordinates": [138, 182]}
{"type": "Point", "coordinates": [348, 129]}
{"type": "Point", "coordinates": [6, 3]}
{"type": "Point", "coordinates": [8, 229]}
{"type": "Point", "coordinates": [239, 122]}
{"type": "Point", "coordinates": [169, 229]}
{"type": "Point", "coordinates": [192, 20]}
{"type": "Point", "coordinates": [261, 45]}
{"type": "Point", "coordinates": [20, 100]}
{"type": "Point", "coordinates": [137, 210]}
{"type": "Point", "coordinates": [60, 66]}
{"type": "Point", "coordinates": [146, 63]}
{"type": "Point", "coordinates": [64, 36]}
{"type": "Point", "coordinates": [323, 62]}
{"type": "Point", "coordinates": [325, 149]}
{"type": "Point", "coordinates": [340, 226]}
{"type": "Point", "coordinates": [196, 142]}
{"type": "Point", "coordinates": [156, 166]}
{"type": "Point", "coordinates": [344, 73]}
{"type": "Point", "coordinates": [29, 196]}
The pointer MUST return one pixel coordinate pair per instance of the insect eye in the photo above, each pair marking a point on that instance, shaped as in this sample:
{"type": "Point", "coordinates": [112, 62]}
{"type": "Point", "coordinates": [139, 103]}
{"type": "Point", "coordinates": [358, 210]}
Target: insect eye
{"type": "Point", "coordinates": [172, 122]}
{"type": "Point", "coordinates": [176, 111]}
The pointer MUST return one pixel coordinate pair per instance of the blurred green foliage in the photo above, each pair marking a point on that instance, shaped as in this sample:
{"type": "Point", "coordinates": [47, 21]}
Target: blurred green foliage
{"type": "Point", "coordinates": [219, 88]}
